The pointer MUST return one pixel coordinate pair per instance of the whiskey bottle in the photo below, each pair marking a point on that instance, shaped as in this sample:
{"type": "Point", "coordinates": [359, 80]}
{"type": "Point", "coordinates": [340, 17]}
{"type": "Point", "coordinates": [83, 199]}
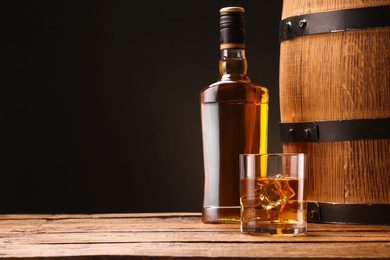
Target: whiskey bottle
{"type": "Point", "coordinates": [234, 114]}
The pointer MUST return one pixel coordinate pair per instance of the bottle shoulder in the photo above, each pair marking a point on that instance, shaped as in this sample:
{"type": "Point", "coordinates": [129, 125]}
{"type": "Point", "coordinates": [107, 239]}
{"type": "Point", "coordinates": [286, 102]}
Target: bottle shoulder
{"type": "Point", "coordinates": [234, 91]}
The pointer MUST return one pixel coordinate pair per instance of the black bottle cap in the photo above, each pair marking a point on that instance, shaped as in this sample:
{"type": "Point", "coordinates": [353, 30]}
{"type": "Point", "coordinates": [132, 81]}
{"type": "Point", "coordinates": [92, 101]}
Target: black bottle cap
{"type": "Point", "coordinates": [232, 28]}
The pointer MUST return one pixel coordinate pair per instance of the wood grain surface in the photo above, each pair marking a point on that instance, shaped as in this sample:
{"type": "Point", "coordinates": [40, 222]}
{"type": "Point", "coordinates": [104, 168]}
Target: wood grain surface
{"type": "Point", "coordinates": [336, 76]}
{"type": "Point", "coordinates": [177, 235]}
{"type": "Point", "coordinates": [297, 7]}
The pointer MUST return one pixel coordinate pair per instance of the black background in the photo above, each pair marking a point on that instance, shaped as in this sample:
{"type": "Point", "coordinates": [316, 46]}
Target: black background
{"type": "Point", "coordinates": [99, 100]}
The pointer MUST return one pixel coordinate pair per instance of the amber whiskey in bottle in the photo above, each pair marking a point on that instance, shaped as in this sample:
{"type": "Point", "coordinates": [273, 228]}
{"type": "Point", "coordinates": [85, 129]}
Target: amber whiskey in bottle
{"type": "Point", "coordinates": [234, 114]}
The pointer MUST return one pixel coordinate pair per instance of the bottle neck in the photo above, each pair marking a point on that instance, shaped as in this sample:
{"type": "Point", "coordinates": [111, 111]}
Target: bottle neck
{"type": "Point", "coordinates": [233, 64]}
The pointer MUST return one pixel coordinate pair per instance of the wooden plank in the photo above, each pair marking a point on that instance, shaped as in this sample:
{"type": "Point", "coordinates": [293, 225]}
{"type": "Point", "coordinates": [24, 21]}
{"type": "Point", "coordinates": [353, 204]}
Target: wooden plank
{"type": "Point", "coordinates": [152, 221]}
{"type": "Point", "coordinates": [232, 250]}
{"type": "Point", "coordinates": [185, 236]}
{"type": "Point", "coordinates": [177, 235]}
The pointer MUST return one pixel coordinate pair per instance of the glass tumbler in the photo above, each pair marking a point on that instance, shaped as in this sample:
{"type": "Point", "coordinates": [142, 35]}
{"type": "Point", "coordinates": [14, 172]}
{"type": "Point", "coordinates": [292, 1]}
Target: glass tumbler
{"type": "Point", "coordinates": [272, 193]}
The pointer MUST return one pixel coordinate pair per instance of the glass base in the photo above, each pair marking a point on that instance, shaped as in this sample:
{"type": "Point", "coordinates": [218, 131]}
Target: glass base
{"type": "Point", "coordinates": [220, 215]}
{"type": "Point", "coordinates": [273, 229]}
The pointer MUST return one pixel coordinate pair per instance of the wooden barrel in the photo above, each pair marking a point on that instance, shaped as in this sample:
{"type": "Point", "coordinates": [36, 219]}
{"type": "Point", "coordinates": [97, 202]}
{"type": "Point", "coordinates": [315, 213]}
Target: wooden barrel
{"type": "Point", "coordinates": [335, 104]}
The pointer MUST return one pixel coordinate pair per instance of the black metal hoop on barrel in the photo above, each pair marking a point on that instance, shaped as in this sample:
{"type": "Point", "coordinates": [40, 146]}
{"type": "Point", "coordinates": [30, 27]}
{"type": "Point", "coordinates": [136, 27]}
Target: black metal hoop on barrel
{"type": "Point", "coordinates": [334, 21]}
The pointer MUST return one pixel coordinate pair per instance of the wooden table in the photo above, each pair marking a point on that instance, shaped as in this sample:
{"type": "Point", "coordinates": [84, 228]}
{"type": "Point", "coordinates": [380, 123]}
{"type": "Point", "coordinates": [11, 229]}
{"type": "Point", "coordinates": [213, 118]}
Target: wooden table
{"type": "Point", "coordinates": [177, 235]}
